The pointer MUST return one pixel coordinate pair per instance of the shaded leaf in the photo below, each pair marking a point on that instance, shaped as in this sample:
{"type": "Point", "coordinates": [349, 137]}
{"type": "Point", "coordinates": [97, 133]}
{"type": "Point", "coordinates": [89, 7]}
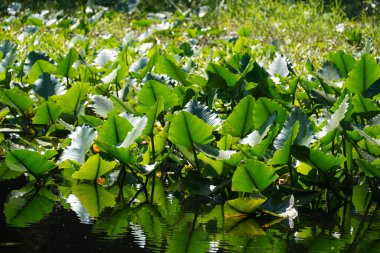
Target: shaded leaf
{"type": "Point", "coordinates": [47, 85]}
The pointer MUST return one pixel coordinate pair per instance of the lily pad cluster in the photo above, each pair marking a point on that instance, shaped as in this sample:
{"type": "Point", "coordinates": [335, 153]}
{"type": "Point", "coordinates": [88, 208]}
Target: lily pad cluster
{"type": "Point", "coordinates": [255, 133]}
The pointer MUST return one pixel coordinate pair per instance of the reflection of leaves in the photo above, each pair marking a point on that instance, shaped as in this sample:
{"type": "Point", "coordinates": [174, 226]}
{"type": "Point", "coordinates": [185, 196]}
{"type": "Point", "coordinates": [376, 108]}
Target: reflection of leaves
{"type": "Point", "coordinates": [242, 227]}
{"type": "Point", "coordinates": [115, 225]}
{"type": "Point", "coordinates": [29, 208]}
{"type": "Point", "coordinates": [94, 198]}
{"type": "Point", "coordinates": [188, 241]}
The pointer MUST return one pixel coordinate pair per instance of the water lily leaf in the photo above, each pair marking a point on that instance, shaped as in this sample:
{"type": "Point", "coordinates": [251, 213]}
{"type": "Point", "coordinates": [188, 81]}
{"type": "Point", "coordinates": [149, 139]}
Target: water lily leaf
{"type": "Point", "coordinates": [94, 198]}
{"type": "Point", "coordinates": [81, 140]}
{"type": "Point", "coordinates": [317, 159]}
{"type": "Point", "coordinates": [279, 66]}
{"type": "Point", "coordinates": [150, 92]}
{"type": "Point", "coordinates": [202, 112]}
{"type": "Point", "coordinates": [65, 66]}
{"type": "Point", "coordinates": [102, 105]}
{"type": "Point", "coordinates": [334, 121]}
{"type": "Point", "coordinates": [253, 175]}
{"type": "Point", "coordinates": [240, 122]}
{"type": "Point", "coordinates": [71, 100]}
{"type": "Point", "coordinates": [30, 161]}
{"type": "Point", "coordinates": [47, 113]}
{"type": "Point", "coordinates": [344, 62]}
{"type": "Point", "coordinates": [31, 207]}
{"type": "Point", "coordinates": [114, 130]}
{"type": "Point", "coordinates": [242, 206]}
{"type": "Point", "coordinates": [166, 66]}
{"type": "Point", "coordinates": [187, 129]}
{"type": "Point", "coordinates": [47, 85]}
{"type": "Point", "coordinates": [16, 98]}
{"type": "Point", "coordinates": [94, 167]}
{"type": "Point", "coordinates": [365, 72]}
{"type": "Point", "coordinates": [264, 108]}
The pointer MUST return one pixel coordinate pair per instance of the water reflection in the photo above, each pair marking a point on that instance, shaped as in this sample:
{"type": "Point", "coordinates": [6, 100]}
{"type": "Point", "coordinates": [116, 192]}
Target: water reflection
{"type": "Point", "coordinates": [82, 216]}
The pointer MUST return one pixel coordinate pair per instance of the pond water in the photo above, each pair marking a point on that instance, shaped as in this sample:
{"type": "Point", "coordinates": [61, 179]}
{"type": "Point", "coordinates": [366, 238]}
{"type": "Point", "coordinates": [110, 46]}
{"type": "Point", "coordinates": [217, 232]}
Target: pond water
{"type": "Point", "coordinates": [39, 221]}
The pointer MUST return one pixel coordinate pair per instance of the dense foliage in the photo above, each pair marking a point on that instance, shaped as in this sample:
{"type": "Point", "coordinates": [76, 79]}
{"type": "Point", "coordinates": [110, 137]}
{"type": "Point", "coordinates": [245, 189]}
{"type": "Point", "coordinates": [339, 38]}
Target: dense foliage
{"type": "Point", "coordinates": [176, 107]}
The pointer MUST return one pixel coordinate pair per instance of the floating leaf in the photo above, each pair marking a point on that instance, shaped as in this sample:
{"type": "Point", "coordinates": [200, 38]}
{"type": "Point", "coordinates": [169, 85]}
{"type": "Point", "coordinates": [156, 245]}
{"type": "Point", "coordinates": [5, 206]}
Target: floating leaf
{"type": "Point", "coordinates": [253, 174]}
{"type": "Point", "coordinates": [30, 161]}
{"type": "Point", "coordinates": [94, 167]}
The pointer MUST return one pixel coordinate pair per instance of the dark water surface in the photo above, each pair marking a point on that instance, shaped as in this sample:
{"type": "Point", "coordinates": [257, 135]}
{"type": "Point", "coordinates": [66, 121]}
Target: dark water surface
{"type": "Point", "coordinates": [171, 225]}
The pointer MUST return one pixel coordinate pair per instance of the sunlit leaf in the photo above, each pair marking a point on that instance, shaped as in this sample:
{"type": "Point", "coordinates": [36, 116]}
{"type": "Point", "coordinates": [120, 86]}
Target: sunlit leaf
{"type": "Point", "coordinates": [94, 167]}
{"type": "Point", "coordinates": [253, 175]}
{"type": "Point", "coordinates": [365, 72]}
{"type": "Point", "coordinates": [240, 122]}
{"type": "Point", "coordinates": [81, 140]}
{"type": "Point", "coordinates": [30, 161]}
{"type": "Point", "coordinates": [187, 129]}
{"type": "Point", "coordinates": [47, 113]}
